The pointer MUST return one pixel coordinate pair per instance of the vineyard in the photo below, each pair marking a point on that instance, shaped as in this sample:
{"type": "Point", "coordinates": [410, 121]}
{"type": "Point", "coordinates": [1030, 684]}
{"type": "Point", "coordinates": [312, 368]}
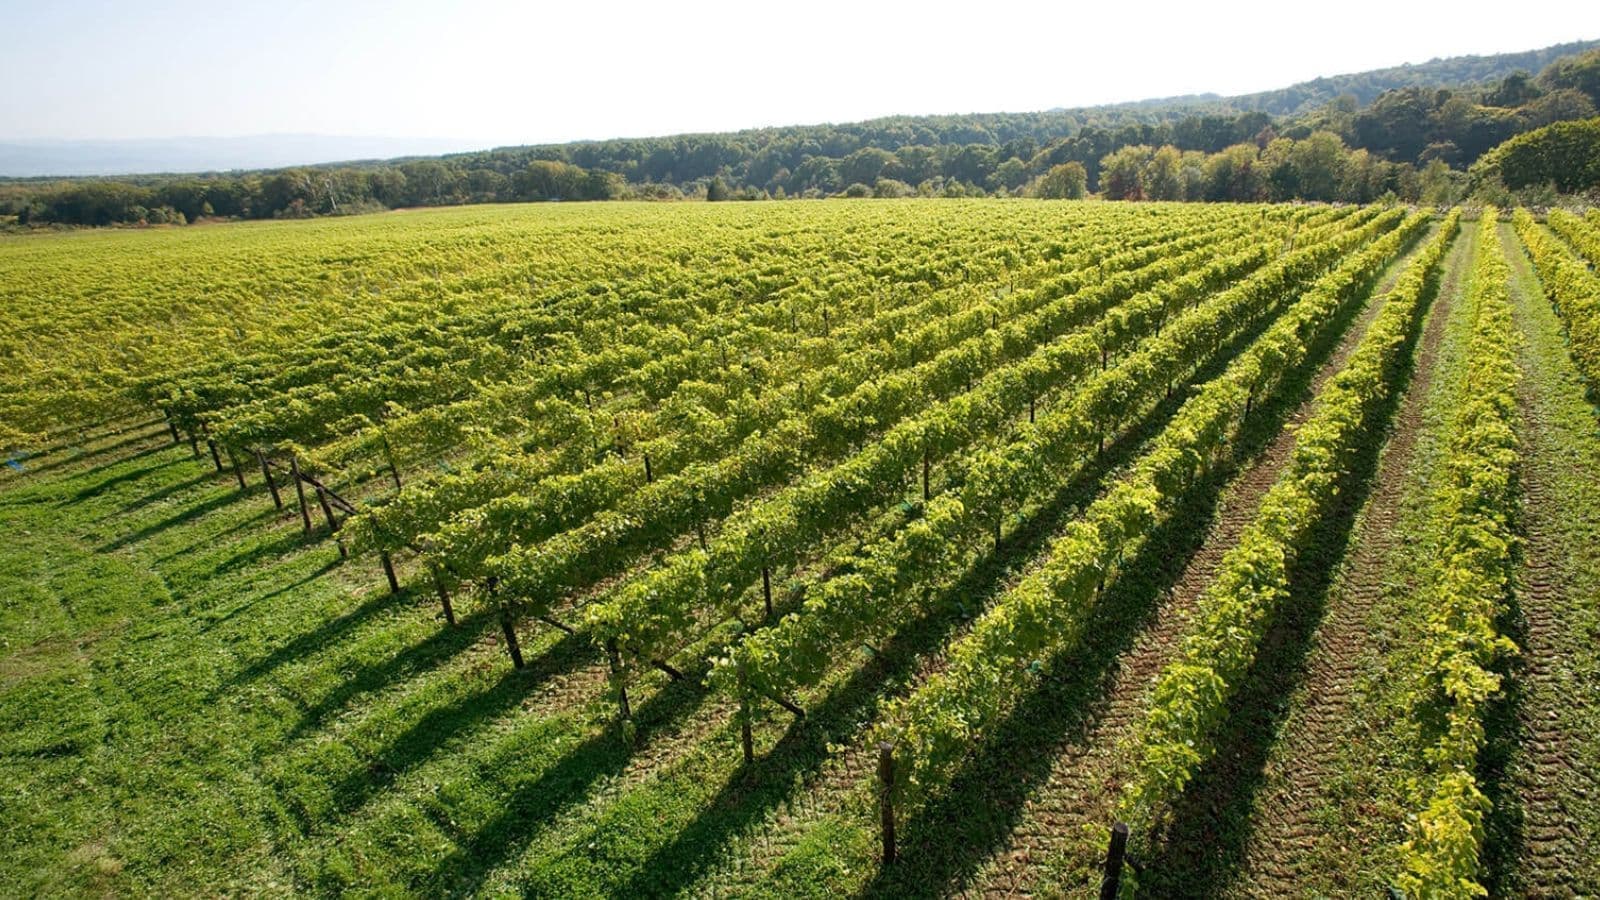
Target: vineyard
{"type": "Point", "coordinates": [926, 548]}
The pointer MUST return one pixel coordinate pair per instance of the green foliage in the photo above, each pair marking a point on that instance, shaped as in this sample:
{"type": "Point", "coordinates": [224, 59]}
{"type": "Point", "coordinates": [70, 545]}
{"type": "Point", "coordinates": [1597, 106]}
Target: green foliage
{"type": "Point", "coordinates": [1571, 286]}
{"type": "Point", "coordinates": [1067, 181]}
{"type": "Point", "coordinates": [1579, 73]}
{"type": "Point", "coordinates": [1122, 173]}
{"type": "Point", "coordinates": [884, 583]}
{"type": "Point", "coordinates": [1468, 585]}
{"type": "Point", "coordinates": [1566, 154]}
{"type": "Point", "coordinates": [656, 615]}
{"type": "Point", "coordinates": [1191, 694]}
{"type": "Point", "coordinates": [987, 669]}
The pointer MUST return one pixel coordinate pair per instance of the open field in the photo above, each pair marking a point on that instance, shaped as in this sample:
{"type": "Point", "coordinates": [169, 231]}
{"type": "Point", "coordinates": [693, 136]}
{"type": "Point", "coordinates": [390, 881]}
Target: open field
{"type": "Point", "coordinates": [623, 550]}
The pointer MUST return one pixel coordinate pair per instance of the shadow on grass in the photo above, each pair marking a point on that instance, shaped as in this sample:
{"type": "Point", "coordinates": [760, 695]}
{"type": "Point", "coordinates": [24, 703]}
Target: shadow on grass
{"type": "Point", "coordinates": [166, 492]}
{"type": "Point", "coordinates": [419, 742]}
{"type": "Point", "coordinates": [137, 473]}
{"type": "Point", "coordinates": [265, 518]}
{"type": "Point", "coordinates": [1505, 827]}
{"type": "Point", "coordinates": [973, 818]}
{"type": "Point", "coordinates": [319, 638]}
{"type": "Point", "coordinates": [95, 455]}
{"type": "Point", "coordinates": [265, 548]}
{"type": "Point", "coordinates": [530, 806]}
{"type": "Point", "coordinates": [747, 798]}
{"type": "Point", "coordinates": [1200, 850]}
{"type": "Point", "coordinates": [437, 648]}
{"type": "Point", "coordinates": [215, 622]}
{"type": "Point", "coordinates": [188, 516]}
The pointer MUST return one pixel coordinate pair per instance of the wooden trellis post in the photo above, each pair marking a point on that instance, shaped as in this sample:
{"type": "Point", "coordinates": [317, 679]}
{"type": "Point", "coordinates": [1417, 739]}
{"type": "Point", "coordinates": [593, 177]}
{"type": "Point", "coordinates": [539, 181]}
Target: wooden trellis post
{"type": "Point", "coordinates": [616, 673]}
{"type": "Point", "coordinates": [388, 571]}
{"type": "Point", "coordinates": [216, 458]}
{"type": "Point", "coordinates": [272, 484]}
{"type": "Point", "coordinates": [233, 460]}
{"type": "Point", "coordinates": [886, 799]}
{"type": "Point", "coordinates": [1116, 852]}
{"type": "Point", "coordinates": [746, 740]}
{"type": "Point", "coordinates": [333, 521]}
{"type": "Point", "coordinates": [444, 597]}
{"type": "Point", "coordinates": [508, 625]}
{"type": "Point", "coordinates": [300, 491]}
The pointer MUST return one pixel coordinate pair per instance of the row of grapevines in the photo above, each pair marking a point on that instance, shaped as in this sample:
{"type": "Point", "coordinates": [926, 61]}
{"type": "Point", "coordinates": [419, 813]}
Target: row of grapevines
{"type": "Point", "coordinates": [541, 509]}
{"type": "Point", "coordinates": [683, 434]}
{"type": "Point", "coordinates": [541, 575]}
{"type": "Point", "coordinates": [1584, 237]}
{"type": "Point", "coordinates": [546, 326]}
{"type": "Point", "coordinates": [1190, 697]}
{"type": "Point", "coordinates": [1571, 287]}
{"type": "Point", "coordinates": [657, 615]}
{"type": "Point", "coordinates": [990, 668]}
{"type": "Point", "coordinates": [1467, 581]}
{"type": "Point", "coordinates": [428, 433]}
{"type": "Point", "coordinates": [90, 315]}
{"type": "Point", "coordinates": [416, 369]}
{"type": "Point", "coordinates": [833, 351]}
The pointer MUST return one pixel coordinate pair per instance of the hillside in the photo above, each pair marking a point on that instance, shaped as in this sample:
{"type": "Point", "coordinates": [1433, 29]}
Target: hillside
{"type": "Point", "coordinates": [1315, 141]}
{"type": "Point", "coordinates": [803, 550]}
{"type": "Point", "coordinates": [1365, 87]}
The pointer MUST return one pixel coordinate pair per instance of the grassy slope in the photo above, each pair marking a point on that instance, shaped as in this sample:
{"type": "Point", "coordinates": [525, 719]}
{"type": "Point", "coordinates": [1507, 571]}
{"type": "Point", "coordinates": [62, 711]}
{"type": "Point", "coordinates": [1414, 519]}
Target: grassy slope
{"type": "Point", "coordinates": [195, 698]}
{"type": "Point", "coordinates": [182, 674]}
{"type": "Point", "coordinates": [828, 847]}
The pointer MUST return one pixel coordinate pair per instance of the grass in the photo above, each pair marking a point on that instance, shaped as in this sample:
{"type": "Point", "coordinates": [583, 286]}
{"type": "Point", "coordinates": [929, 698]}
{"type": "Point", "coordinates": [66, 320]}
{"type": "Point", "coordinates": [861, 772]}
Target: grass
{"type": "Point", "coordinates": [198, 698]}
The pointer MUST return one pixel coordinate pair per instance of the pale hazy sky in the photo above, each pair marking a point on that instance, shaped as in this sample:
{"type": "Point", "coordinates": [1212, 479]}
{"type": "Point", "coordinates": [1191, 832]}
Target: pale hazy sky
{"type": "Point", "coordinates": [498, 72]}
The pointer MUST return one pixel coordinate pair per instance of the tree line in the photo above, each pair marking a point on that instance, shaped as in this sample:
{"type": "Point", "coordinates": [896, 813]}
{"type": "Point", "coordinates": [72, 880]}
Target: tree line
{"type": "Point", "coordinates": [1412, 142]}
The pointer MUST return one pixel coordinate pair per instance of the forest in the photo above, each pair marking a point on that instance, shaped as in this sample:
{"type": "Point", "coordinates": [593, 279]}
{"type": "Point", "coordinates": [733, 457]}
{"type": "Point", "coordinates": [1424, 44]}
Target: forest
{"type": "Point", "coordinates": [1412, 133]}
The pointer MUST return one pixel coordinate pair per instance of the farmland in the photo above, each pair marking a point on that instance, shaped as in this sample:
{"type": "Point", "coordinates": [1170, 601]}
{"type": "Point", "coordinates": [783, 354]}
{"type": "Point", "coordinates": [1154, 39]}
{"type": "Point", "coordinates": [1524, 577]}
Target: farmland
{"type": "Point", "coordinates": [695, 549]}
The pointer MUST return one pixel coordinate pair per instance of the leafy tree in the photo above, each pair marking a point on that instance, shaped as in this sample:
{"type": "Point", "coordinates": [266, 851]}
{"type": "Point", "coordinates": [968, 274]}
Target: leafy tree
{"type": "Point", "coordinates": [1067, 181]}
{"type": "Point", "coordinates": [1318, 165]}
{"type": "Point", "coordinates": [549, 180]}
{"type": "Point", "coordinates": [1122, 173]}
{"type": "Point", "coordinates": [1566, 154]}
{"type": "Point", "coordinates": [1163, 175]}
{"type": "Point", "coordinates": [1397, 123]}
{"type": "Point", "coordinates": [1438, 184]}
{"type": "Point", "coordinates": [1562, 105]}
{"type": "Point", "coordinates": [1011, 174]}
{"type": "Point", "coordinates": [889, 188]}
{"type": "Point", "coordinates": [1514, 90]}
{"type": "Point", "coordinates": [1193, 172]}
{"type": "Point", "coordinates": [1234, 175]}
{"type": "Point", "coordinates": [429, 182]}
{"type": "Point", "coordinates": [1580, 73]}
{"type": "Point", "coordinates": [915, 163]}
{"type": "Point", "coordinates": [865, 166]}
{"type": "Point", "coordinates": [971, 163]}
